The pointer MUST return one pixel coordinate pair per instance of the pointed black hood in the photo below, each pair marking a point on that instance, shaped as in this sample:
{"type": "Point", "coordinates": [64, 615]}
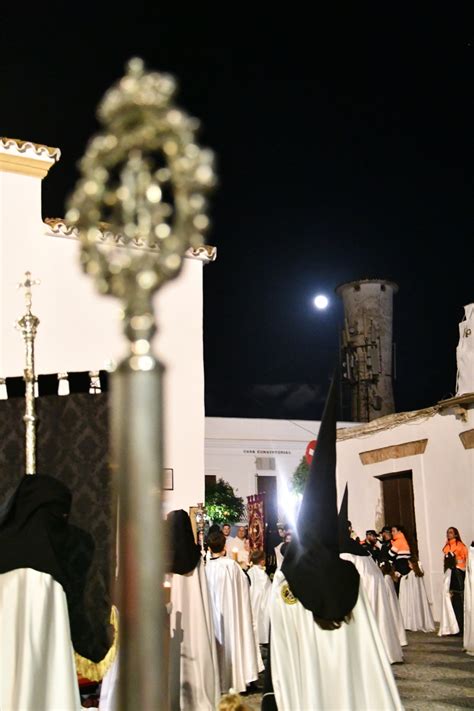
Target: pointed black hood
{"type": "Point", "coordinates": [185, 553]}
{"type": "Point", "coordinates": [346, 543]}
{"type": "Point", "coordinates": [322, 582]}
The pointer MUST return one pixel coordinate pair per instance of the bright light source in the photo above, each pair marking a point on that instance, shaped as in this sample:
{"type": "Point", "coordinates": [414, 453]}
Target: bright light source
{"type": "Point", "coordinates": [321, 302]}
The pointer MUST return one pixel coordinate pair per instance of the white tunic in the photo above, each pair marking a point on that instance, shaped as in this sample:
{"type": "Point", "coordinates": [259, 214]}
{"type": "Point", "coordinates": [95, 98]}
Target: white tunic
{"type": "Point", "coordinates": [448, 623]}
{"type": "Point", "coordinates": [395, 605]}
{"type": "Point", "coordinates": [109, 689]}
{"type": "Point", "coordinates": [194, 671]}
{"type": "Point", "coordinates": [37, 669]}
{"type": "Point", "coordinates": [372, 581]}
{"type": "Point", "coordinates": [416, 610]}
{"type": "Point", "coordinates": [325, 670]}
{"type": "Point", "coordinates": [260, 590]}
{"type": "Point", "coordinates": [278, 555]}
{"type": "Point", "coordinates": [237, 646]}
{"type": "Point", "coordinates": [468, 604]}
{"type": "Point", "coordinates": [231, 543]}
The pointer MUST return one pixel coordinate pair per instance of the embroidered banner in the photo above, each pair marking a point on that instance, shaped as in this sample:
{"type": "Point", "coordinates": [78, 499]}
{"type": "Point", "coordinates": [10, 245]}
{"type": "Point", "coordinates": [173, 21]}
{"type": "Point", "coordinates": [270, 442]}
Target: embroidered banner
{"type": "Point", "coordinates": [256, 518]}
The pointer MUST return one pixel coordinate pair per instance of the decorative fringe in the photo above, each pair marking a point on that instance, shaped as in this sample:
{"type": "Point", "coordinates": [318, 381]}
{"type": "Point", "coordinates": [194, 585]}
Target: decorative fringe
{"type": "Point", "coordinates": [94, 388]}
{"type": "Point", "coordinates": [63, 384]}
{"type": "Point", "coordinates": [3, 389]}
{"type": "Point", "coordinates": [95, 671]}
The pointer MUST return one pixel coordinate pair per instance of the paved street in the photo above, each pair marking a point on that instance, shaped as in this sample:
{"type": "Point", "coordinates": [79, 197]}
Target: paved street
{"type": "Point", "coordinates": [436, 675]}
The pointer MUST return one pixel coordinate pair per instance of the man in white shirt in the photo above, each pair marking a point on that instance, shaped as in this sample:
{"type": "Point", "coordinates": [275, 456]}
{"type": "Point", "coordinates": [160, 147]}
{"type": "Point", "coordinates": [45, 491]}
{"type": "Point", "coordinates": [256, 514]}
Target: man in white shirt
{"type": "Point", "coordinates": [229, 540]}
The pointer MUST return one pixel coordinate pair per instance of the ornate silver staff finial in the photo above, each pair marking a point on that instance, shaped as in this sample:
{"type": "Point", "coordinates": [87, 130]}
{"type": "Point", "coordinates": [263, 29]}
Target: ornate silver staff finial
{"type": "Point", "coordinates": [145, 177]}
{"type": "Point", "coordinates": [28, 325]}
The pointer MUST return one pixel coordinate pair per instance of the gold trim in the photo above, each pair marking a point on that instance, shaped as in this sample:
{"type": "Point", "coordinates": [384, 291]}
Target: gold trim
{"type": "Point", "coordinates": [287, 595]}
{"type": "Point", "coordinates": [95, 671]}
{"type": "Point", "coordinates": [24, 166]}
{"type": "Point", "coordinates": [396, 451]}
{"type": "Point", "coordinates": [38, 148]}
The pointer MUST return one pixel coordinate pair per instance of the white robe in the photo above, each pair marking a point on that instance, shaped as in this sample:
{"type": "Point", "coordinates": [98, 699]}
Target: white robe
{"type": "Point", "coordinates": [278, 555]}
{"type": "Point", "coordinates": [37, 669]}
{"type": "Point", "coordinates": [194, 671]}
{"type": "Point", "coordinates": [372, 581]}
{"type": "Point", "coordinates": [468, 640]}
{"type": "Point", "coordinates": [395, 605]}
{"type": "Point", "coordinates": [448, 623]}
{"type": "Point", "coordinates": [260, 590]}
{"type": "Point", "coordinates": [233, 542]}
{"type": "Point", "coordinates": [109, 689]}
{"type": "Point", "coordinates": [237, 646]}
{"type": "Point", "coordinates": [324, 670]}
{"type": "Point", "coordinates": [414, 604]}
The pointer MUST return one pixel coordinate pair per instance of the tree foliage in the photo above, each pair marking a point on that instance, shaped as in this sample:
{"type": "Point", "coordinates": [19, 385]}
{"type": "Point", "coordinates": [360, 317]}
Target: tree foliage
{"type": "Point", "coordinates": [222, 505]}
{"type": "Point", "coordinates": [300, 475]}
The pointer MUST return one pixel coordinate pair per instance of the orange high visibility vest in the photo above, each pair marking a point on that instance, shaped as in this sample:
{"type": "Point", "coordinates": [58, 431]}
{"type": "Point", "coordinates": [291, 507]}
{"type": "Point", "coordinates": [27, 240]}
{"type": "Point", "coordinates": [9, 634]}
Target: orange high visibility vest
{"type": "Point", "coordinates": [400, 544]}
{"type": "Point", "coordinates": [459, 550]}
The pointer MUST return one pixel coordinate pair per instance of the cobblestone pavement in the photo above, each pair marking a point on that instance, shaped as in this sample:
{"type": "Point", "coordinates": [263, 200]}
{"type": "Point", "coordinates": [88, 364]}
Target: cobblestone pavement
{"type": "Point", "coordinates": [436, 675]}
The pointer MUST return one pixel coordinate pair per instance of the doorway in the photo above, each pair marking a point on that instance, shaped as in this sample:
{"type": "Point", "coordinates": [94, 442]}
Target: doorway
{"type": "Point", "coordinates": [399, 504]}
{"type": "Point", "coordinates": [267, 485]}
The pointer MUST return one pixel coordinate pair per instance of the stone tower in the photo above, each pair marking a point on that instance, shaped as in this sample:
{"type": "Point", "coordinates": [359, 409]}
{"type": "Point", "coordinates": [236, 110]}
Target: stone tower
{"type": "Point", "coordinates": [367, 347]}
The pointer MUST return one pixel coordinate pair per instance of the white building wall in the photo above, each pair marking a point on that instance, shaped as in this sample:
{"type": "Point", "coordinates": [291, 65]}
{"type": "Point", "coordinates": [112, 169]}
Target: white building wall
{"type": "Point", "coordinates": [233, 445]}
{"type": "Point", "coordinates": [442, 476]}
{"type": "Point", "coordinates": [80, 330]}
{"type": "Point", "coordinates": [442, 485]}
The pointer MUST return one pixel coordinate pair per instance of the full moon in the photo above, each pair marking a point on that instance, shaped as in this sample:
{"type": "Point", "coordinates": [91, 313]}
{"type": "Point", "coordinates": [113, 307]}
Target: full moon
{"type": "Point", "coordinates": [321, 302]}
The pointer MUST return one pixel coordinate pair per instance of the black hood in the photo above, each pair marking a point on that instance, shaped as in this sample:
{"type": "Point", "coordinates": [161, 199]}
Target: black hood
{"type": "Point", "coordinates": [322, 582]}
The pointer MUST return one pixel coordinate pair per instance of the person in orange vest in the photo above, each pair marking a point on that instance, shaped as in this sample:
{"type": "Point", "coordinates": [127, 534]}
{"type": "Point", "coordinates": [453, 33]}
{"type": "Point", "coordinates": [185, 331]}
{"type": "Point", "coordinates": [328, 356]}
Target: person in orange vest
{"type": "Point", "coordinates": [399, 552]}
{"type": "Point", "coordinates": [455, 557]}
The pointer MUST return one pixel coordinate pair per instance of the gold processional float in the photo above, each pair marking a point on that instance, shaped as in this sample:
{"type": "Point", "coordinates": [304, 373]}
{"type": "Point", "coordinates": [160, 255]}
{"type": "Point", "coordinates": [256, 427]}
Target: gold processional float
{"type": "Point", "coordinates": [145, 176]}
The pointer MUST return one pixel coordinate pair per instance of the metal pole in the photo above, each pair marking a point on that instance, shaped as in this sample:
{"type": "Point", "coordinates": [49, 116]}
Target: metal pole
{"type": "Point", "coordinates": [28, 325]}
{"type": "Point", "coordinates": [158, 213]}
{"type": "Point", "coordinates": [136, 410]}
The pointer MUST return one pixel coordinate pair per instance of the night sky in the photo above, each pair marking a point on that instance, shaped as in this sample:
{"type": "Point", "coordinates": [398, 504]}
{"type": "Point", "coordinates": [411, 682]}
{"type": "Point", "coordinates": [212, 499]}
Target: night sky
{"type": "Point", "coordinates": [344, 149]}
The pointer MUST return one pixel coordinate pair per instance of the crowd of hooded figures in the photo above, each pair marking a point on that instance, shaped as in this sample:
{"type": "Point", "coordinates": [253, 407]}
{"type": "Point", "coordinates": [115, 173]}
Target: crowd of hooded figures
{"type": "Point", "coordinates": [333, 600]}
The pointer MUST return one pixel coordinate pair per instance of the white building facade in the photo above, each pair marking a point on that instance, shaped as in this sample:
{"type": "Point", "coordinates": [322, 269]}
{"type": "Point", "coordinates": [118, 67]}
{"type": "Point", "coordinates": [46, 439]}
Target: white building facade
{"type": "Point", "coordinates": [431, 450]}
{"type": "Point", "coordinates": [243, 451]}
{"type": "Point", "coordinates": [80, 330]}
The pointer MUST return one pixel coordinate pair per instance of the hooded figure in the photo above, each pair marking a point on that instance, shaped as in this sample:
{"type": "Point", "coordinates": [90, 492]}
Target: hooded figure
{"type": "Point", "coordinates": [322, 582]}
{"type": "Point", "coordinates": [382, 599]}
{"type": "Point", "coordinates": [194, 673]}
{"type": "Point", "coordinates": [346, 543]}
{"type": "Point", "coordinates": [321, 625]}
{"type": "Point", "coordinates": [37, 669]}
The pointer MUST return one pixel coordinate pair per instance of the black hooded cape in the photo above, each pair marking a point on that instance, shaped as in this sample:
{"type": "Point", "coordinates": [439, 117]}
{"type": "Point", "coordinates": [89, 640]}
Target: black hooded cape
{"type": "Point", "coordinates": [34, 528]}
{"type": "Point", "coordinates": [35, 533]}
{"type": "Point", "coordinates": [185, 553]}
{"type": "Point", "coordinates": [322, 582]}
